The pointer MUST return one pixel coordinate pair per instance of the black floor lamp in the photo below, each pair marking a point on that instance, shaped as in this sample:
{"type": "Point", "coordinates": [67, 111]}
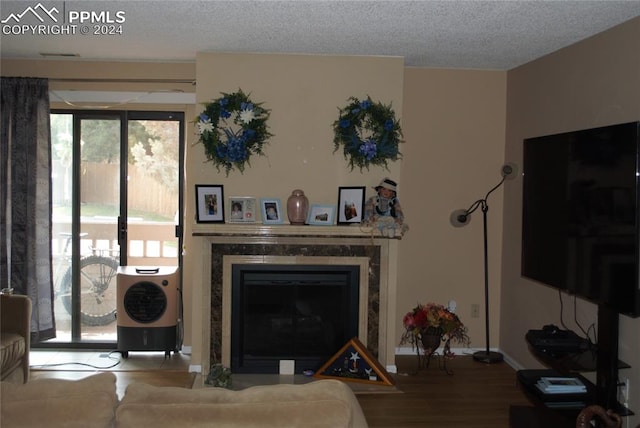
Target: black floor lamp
{"type": "Point", "coordinates": [460, 218]}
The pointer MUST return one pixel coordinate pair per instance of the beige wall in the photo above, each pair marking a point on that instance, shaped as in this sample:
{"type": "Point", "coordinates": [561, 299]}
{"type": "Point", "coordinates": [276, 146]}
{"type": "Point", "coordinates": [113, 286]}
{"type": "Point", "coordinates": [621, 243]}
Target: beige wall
{"type": "Point", "coordinates": [593, 83]}
{"type": "Point", "coordinates": [304, 93]}
{"type": "Point", "coordinates": [454, 123]}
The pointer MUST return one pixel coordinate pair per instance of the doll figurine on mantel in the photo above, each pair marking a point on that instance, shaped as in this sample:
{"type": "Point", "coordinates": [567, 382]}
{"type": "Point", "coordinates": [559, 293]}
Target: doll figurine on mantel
{"type": "Point", "coordinates": [383, 211]}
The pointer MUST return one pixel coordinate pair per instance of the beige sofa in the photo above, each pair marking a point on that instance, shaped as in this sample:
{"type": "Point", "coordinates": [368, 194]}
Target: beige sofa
{"type": "Point", "coordinates": [15, 321]}
{"type": "Point", "coordinates": [93, 403]}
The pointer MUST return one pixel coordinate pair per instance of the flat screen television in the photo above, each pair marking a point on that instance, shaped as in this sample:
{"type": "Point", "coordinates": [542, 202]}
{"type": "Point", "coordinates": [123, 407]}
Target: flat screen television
{"type": "Point", "coordinates": [580, 224]}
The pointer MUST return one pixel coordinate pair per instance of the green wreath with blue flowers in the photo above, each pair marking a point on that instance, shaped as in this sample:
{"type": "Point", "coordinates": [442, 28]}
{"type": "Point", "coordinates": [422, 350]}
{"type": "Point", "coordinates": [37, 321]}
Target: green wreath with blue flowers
{"type": "Point", "coordinates": [368, 134]}
{"type": "Point", "coordinates": [232, 128]}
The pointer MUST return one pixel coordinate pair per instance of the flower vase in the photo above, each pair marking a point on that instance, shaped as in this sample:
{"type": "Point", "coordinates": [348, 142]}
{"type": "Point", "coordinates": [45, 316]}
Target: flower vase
{"type": "Point", "coordinates": [297, 207]}
{"type": "Point", "coordinates": [430, 338]}
{"type": "Point", "coordinates": [430, 342]}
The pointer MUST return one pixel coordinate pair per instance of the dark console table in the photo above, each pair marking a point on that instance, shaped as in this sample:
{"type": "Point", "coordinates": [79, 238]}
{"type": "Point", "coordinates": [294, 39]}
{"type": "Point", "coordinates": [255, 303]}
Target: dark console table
{"type": "Point", "coordinates": [551, 410]}
{"type": "Point", "coordinates": [581, 359]}
{"type": "Point", "coordinates": [560, 410]}
{"type": "Point", "coordinates": [568, 363]}
{"type": "Point", "coordinates": [570, 404]}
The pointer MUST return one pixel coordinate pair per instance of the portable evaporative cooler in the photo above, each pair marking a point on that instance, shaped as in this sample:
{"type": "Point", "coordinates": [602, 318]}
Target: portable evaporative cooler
{"type": "Point", "coordinates": [148, 308]}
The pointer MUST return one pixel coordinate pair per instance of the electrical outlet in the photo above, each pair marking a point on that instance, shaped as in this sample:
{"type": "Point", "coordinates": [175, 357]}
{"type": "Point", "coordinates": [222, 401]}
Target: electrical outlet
{"type": "Point", "coordinates": [475, 310]}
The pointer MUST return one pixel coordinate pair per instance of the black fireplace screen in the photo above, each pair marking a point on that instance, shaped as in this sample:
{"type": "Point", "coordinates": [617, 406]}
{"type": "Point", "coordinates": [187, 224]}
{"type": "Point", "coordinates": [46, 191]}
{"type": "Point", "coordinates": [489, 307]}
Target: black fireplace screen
{"type": "Point", "coordinates": [304, 313]}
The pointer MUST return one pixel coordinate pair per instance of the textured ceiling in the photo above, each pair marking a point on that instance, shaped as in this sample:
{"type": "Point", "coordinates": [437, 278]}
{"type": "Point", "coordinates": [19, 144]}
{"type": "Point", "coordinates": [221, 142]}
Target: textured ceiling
{"type": "Point", "coordinates": [497, 35]}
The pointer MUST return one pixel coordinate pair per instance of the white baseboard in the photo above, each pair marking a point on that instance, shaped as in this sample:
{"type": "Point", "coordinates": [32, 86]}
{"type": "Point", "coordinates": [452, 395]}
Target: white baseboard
{"type": "Point", "coordinates": [408, 350]}
{"type": "Point", "coordinates": [464, 351]}
{"type": "Point", "coordinates": [513, 363]}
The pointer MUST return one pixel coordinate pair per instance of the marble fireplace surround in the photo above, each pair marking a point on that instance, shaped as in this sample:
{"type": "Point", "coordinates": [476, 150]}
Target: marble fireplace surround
{"type": "Point", "coordinates": [224, 245]}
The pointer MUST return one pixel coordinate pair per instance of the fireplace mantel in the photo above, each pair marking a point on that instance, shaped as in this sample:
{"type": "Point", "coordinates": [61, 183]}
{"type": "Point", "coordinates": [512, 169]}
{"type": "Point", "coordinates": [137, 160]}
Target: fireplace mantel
{"type": "Point", "coordinates": [257, 229]}
{"type": "Point", "coordinates": [215, 240]}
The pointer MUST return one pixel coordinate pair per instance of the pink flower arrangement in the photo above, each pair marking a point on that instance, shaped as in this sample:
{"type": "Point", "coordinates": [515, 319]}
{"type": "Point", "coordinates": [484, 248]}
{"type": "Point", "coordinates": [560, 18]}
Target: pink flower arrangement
{"type": "Point", "coordinates": [433, 319]}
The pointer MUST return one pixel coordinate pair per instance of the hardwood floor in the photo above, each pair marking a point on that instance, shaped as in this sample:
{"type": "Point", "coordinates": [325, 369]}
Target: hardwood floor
{"type": "Point", "coordinates": [476, 395]}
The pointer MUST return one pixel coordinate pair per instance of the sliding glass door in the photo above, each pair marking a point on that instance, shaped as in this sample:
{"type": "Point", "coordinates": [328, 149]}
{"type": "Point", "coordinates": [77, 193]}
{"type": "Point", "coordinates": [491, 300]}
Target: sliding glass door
{"type": "Point", "coordinates": [116, 201]}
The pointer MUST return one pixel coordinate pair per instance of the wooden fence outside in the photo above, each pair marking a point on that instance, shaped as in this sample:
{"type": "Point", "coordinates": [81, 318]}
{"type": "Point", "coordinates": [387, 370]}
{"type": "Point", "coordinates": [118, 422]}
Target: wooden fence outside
{"type": "Point", "coordinates": [101, 185]}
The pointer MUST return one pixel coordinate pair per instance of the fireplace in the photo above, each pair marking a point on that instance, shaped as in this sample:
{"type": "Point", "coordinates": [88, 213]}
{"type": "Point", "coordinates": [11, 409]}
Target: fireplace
{"type": "Point", "coordinates": [299, 313]}
{"type": "Point", "coordinates": [225, 246]}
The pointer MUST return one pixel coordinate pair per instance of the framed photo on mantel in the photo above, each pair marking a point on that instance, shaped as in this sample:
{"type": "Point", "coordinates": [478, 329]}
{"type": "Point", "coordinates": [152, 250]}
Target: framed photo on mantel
{"type": "Point", "coordinates": [350, 204]}
{"type": "Point", "coordinates": [271, 211]}
{"type": "Point", "coordinates": [209, 203]}
{"type": "Point", "coordinates": [321, 215]}
{"type": "Point", "coordinates": [242, 209]}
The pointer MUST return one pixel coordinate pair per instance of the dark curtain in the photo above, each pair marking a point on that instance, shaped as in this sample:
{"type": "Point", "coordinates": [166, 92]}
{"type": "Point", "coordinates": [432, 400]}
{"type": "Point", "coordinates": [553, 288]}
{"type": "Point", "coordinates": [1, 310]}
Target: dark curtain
{"type": "Point", "coordinates": [25, 198]}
